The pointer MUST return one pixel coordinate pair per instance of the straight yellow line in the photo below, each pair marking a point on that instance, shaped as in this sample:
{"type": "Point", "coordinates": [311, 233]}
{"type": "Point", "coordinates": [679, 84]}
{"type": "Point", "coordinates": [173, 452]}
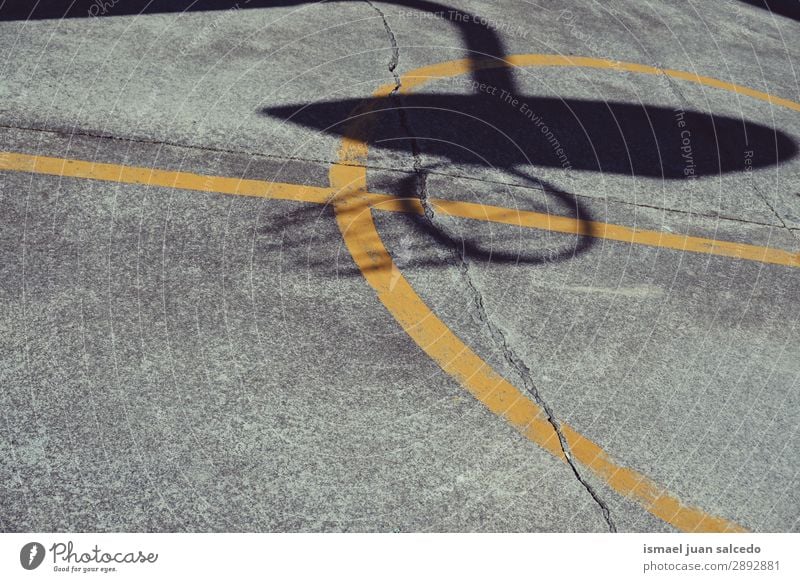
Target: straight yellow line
{"type": "Point", "coordinates": [18, 162]}
{"type": "Point", "coordinates": [165, 178]}
{"type": "Point", "coordinates": [617, 232]}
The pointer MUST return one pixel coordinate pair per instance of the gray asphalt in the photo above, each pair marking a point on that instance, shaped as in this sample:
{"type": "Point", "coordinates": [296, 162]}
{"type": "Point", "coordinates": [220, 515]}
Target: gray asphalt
{"type": "Point", "coordinates": [176, 360]}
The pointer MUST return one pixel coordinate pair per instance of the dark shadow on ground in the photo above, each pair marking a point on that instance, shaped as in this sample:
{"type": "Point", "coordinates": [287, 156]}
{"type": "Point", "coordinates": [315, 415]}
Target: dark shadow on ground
{"type": "Point", "coordinates": [425, 244]}
{"type": "Point", "coordinates": [787, 8]}
{"type": "Point", "coordinates": [483, 130]}
{"type": "Point", "coordinates": [471, 247]}
{"type": "Point", "coordinates": [54, 9]}
{"type": "Point", "coordinates": [594, 136]}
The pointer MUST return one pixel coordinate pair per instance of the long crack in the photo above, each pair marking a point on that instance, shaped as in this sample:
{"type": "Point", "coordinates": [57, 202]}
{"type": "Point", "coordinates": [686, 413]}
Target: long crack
{"type": "Point", "coordinates": [516, 362]}
{"type": "Point", "coordinates": [499, 337]}
{"type": "Point", "coordinates": [496, 333]}
{"type": "Point", "coordinates": [395, 59]}
{"type": "Point", "coordinates": [419, 170]}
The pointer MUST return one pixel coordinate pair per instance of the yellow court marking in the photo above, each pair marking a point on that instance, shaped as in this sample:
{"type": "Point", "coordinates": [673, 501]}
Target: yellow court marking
{"type": "Point", "coordinates": [422, 75]}
{"type": "Point", "coordinates": [353, 208]}
{"type": "Point", "coordinates": [166, 178]}
{"type": "Point", "coordinates": [354, 216]}
{"type": "Point", "coordinates": [64, 167]}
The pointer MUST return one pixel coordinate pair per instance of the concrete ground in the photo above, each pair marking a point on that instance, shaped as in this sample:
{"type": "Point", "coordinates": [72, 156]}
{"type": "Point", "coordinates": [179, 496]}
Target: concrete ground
{"type": "Point", "coordinates": [183, 359]}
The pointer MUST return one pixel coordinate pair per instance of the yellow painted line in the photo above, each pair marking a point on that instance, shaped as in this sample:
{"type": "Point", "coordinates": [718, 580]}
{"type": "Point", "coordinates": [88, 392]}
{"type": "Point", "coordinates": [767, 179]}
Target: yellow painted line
{"type": "Point", "coordinates": [495, 392]}
{"type": "Point", "coordinates": [353, 209]}
{"type": "Point", "coordinates": [595, 229]}
{"type": "Point", "coordinates": [418, 77]}
{"type": "Point", "coordinates": [617, 232]}
{"type": "Point", "coordinates": [355, 219]}
{"type": "Point", "coordinates": [71, 168]}
{"type": "Point", "coordinates": [165, 178]}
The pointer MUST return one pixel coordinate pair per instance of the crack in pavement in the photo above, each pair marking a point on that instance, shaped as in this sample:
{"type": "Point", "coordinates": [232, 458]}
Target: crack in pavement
{"type": "Point", "coordinates": [416, 157]}
{"type": "Point", "coordinates": [393, 62]}
{"type": "Point", "coordinates": [371, 166]}
{"type": "Point", "coordinates": [496, 333]}
{"type": "Point", "coordinates": [281, 157]}
{"type": "Point", "coordinates": [766, 201]}
{"type": "Point", "coordinates": [499, 338]}
{"type": "Point", "coordinates": [722, 147]}
{"type": "Point", "coordinates": [515, 361]}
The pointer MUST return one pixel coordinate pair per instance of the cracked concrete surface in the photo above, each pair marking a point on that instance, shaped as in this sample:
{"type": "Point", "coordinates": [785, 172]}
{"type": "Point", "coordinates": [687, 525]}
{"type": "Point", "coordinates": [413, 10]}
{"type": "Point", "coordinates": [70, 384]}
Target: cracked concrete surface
{"type": "Point", "coordinates": [524, 373]}
{"type": "Point", "coordinates": [184, 361]}
{"type": "Point", "coordinates": [495, 332]}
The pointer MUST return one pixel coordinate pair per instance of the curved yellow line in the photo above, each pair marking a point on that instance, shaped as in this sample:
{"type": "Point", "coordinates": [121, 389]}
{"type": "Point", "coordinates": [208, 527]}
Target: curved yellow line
{"type": "Point", "coordinates": [422, 75]}
{"type": "Point", "coordinates": [353, 208]}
